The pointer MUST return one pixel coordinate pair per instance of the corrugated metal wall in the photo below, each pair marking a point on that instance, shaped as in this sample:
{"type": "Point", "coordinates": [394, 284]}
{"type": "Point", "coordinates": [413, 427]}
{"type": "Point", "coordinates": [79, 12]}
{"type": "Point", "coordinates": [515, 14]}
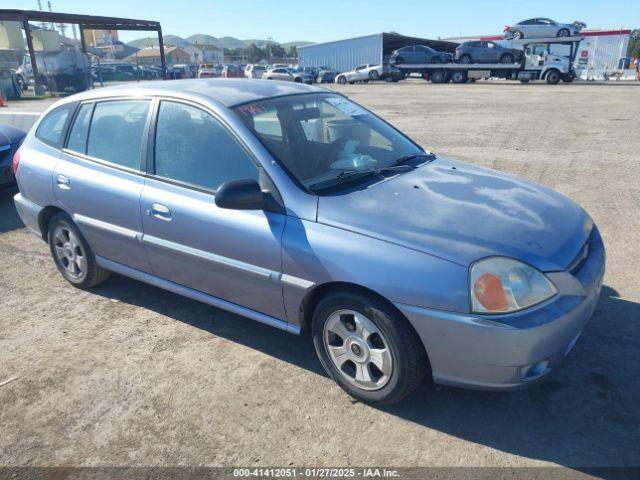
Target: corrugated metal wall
{"type": "Point", "coordinates": [343, 55]}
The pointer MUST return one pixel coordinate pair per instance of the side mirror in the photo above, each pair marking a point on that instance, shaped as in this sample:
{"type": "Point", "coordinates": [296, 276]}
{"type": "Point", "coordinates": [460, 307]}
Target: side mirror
{"type": "Point", "coordinates": [243, 194]}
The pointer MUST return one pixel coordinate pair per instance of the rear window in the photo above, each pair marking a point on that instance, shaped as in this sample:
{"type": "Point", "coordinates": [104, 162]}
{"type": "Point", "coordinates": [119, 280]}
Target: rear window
{"type": "Point", "coordinates": [116, 132]}
{"type": "Point", "coordinates": [51, 128]}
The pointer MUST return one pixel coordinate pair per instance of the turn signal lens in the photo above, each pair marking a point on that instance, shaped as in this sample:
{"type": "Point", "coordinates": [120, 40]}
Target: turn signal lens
{"type": "Point", "coordinates": [500, 285]}
{"type": "Point", "coordinates": [490, 293]}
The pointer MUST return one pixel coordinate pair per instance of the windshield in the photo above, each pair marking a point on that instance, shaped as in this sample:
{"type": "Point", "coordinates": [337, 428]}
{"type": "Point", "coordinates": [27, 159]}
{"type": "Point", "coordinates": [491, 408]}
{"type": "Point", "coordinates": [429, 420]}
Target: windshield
{"type": "Point", "coordinates": [317, 137]}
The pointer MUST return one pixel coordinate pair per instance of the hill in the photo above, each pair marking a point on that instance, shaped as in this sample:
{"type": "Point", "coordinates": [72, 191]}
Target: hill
{"type": "Point", "coordinates": [222, 42]}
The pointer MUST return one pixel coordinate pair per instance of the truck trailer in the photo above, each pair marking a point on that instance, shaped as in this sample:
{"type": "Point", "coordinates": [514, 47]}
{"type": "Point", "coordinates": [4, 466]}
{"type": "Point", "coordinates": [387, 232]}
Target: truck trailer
{"type": "Point", "coordinates": [538, 63]}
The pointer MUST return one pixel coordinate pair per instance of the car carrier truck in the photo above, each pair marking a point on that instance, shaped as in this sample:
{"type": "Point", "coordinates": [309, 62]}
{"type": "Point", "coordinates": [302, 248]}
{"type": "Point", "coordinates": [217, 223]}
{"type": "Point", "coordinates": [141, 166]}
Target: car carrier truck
{"type": "Point", "coordinates": [539, 62]}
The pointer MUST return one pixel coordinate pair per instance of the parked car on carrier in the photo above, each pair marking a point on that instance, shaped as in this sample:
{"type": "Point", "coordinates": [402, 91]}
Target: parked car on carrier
{"type": "Point", "coordinates": [10, 140]}
{"type": "Point", "coordinates": [542, 27]}
{"type": "Point", "coordinates": [363, 73]}
{"type": "Point", "coordinates": [417, 54]}
{"type": "Point", "coordinates": [487, 52]}
{"type": "Point", "coordinates": [300, 209]}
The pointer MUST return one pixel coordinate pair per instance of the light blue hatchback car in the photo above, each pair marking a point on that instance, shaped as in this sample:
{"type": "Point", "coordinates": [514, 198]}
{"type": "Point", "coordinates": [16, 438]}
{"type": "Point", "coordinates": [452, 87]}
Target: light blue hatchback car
{"type": "Point", "coordinates": [298, 208]}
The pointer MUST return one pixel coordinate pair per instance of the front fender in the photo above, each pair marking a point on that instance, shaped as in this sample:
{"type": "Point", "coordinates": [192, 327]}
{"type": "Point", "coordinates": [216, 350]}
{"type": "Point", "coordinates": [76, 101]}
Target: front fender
{"type": "Point", "coordinates": [314, 254]}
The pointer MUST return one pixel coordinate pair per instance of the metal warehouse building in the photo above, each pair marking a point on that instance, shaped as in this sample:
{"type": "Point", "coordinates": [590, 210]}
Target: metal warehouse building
{"type": "Point", "coordinates": [344, 55]}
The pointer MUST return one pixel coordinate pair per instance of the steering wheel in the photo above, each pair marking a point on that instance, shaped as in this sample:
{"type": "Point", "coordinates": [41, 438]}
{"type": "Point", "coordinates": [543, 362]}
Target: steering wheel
{"type": "Point", "coordinates": [324, 161]}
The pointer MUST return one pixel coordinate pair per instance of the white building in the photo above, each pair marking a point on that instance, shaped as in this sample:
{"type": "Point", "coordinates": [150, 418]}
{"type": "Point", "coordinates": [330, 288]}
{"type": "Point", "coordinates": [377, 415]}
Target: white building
{"type": "Point", "coordinates": [599, 52]}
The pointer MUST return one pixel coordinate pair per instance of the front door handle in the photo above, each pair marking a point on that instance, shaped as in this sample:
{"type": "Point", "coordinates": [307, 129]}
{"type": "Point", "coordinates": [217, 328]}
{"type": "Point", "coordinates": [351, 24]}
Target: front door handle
{"type": "Point", "coordinates": [63, 182]}
{"type": "Point", "coordinates": [160, 211]}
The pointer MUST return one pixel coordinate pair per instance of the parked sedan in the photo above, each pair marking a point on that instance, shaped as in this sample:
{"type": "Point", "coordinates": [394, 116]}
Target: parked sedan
{"type": "Point", "coordinates": [326, 75]}
{"type": "Point", "coordinates": [232, 71]}
{"type": "Point", "coordinates": [363, 73]}
{"type": "Point", "coordinates": [287, 75]}
{"type": "Point", "coordinates": [542, 27]}
{"type": "Point", "coordinates": [298, 208]}
{"type": "Point", "coordinates": [486, 52]}
{"type": "Point", "coordinates": [10, 139]}
{"type": "Point", "coordinates": [416, 54]}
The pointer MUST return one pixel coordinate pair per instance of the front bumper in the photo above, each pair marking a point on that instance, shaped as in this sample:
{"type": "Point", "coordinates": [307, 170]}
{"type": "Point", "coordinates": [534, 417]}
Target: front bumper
{"type": "Point", "coordinates": [501, 352]}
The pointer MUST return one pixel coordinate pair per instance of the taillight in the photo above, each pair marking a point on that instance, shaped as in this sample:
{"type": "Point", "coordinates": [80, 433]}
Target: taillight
{"type": "Point", "coordinates": [16, 162]}
{"type": "Point", "coordinates": [506, 27]}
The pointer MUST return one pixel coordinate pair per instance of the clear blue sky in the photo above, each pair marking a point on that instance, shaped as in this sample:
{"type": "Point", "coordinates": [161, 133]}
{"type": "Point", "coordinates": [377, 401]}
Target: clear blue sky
{"type": "Point", "coordinates": [323, 20]}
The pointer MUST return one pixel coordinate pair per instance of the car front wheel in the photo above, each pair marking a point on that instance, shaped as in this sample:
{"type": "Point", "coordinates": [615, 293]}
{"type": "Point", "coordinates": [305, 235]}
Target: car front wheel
{"type": "Point", "coordinates": [367, 347]}
{"type": "Point", "coordinates": [342, 80]}
{"type": "Point", "coordinates": [563, 32]}
{"type": "Point", "coordinates": [72, 255]}
{"type": "Point", "coordinates": [374, 75]}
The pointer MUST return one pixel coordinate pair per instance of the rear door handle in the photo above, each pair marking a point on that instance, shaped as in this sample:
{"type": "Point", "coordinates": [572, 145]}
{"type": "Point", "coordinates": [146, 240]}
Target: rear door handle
{"type": "Point", "coordinates": [63, 182]}
{"type": "Point", "coordinates": [160, 211]}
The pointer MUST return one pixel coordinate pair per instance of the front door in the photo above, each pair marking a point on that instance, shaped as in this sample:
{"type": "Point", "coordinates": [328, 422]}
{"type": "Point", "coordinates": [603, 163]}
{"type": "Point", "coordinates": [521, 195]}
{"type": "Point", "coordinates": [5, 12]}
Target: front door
{"type": "Point", "coordinates": [234, 255]}
{"type": "Point", "coordinates": [99, 179]}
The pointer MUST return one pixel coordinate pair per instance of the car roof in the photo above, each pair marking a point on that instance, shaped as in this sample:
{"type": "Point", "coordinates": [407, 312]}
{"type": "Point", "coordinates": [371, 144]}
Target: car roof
{"type": "Point", "coordinates": [227, 91]}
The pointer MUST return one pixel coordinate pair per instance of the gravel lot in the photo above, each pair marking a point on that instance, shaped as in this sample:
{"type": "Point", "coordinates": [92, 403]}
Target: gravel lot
{"type": "Point", "coordinates": [128, 374]}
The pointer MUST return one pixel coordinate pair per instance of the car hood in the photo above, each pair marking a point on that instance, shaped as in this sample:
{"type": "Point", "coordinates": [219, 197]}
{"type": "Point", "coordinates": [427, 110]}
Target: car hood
{"type": "Point", "coordinates": [462, 212]}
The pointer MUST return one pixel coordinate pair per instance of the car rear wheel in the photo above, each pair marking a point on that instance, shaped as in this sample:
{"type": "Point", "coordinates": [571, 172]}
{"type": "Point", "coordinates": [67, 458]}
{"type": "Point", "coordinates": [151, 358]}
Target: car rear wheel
{"type": "Point", "coordinates": [518, 35]}
{"type": "Point", "coordinates": [563, 32]}
{"type": "Point", "coordinates": [367, 347]}
{"type": "Point", "coordinates": [506, 58]}
{"type": "Point", "coordinates": [72, 255]}
{"type": "Point", "coordinates": [466, 58]}
{"type": "Point", "coordinates": [342, 80]}
{"type": "Point", "coordinates": [374, 75]}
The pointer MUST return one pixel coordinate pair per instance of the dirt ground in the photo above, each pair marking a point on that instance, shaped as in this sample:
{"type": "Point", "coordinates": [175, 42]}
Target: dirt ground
{"type": "Point", "coordinates": [128, 374]}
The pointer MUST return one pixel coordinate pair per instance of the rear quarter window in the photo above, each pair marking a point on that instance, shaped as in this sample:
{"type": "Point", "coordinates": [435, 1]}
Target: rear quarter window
{"type": "Point", "coordinates": [52, 127]}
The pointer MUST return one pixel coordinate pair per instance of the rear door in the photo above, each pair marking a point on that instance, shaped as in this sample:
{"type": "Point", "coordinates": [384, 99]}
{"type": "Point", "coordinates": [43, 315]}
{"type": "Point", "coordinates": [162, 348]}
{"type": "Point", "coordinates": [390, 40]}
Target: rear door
{"type": "Point", "coordinates": [234, 255]}
{"type": "Point", "coordinates": [99, 178]}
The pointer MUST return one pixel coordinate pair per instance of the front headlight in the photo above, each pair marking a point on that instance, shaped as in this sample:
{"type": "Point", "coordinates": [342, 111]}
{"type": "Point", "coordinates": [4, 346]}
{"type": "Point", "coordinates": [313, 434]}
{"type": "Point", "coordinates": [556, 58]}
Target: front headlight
{"type": "Point", "coordinates": [501, 285]}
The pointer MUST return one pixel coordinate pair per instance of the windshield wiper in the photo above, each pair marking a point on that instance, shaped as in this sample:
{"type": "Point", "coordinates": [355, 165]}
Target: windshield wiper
{"type": "Point", "coordinates": [346, 174]}
{"type": "Point", "coordinates": [411, 156]}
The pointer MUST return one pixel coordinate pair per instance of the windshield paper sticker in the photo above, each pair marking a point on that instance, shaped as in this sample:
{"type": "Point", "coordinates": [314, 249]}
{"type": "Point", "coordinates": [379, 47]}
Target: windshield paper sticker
{"type": "Point", "coordinates": [346, 106]}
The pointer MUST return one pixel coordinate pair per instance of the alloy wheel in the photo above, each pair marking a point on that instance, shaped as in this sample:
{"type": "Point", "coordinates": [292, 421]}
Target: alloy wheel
{"type": "Point", "coordinates": [69, 251]}
{"type": "Point", "coordinates": [358, 349]}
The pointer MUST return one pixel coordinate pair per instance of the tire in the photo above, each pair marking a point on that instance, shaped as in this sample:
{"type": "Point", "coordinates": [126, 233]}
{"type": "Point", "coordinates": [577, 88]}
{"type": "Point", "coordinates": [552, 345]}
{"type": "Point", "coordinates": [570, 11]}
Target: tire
{"type": "Point", "coordinates": [374, 75]}
{"type": "Point", "coordinates": [297, 80]}
{"type": "Point", "coordinates": [438, 76]}
{"type": "Point", "coordinates": [459, 76]}
{"type": "Point", "coordinates": [72, 254]}
{"type": "Point", "coordinates": [466, 58]}
{"type": "Point", "coordinates": [553, 77]}
{"type": "Point", "coordinates": [337, 321]}
{"type": "Point", "coordinates": [342, 80]}
{"type": "Point", "coordinates": [568, 78]}
{"type": "Point", "coordinates": [506, 58]}
{"type": "Point", "coordinates": [518, 35]}
{"type": "Point", "coordinates": [564, 32]}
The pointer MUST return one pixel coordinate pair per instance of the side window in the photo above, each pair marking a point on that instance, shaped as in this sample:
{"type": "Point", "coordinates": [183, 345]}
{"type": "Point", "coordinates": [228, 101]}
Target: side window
{"type": "Point", "coordinates": [51, 127]}
{"type": "Point", "coordinates": [194, 148]}
{"type": "Point", "coordinates": [116, 132]}
{"type": "Point", "coordinates": [80, 129]}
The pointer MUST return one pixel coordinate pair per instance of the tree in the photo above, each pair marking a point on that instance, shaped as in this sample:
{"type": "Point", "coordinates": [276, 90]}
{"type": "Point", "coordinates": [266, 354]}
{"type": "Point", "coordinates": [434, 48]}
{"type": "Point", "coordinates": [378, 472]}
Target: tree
{"type": "Point", "coordinates": [293, 52]}
{"type": "Point", "coordinates": [634, 43]}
